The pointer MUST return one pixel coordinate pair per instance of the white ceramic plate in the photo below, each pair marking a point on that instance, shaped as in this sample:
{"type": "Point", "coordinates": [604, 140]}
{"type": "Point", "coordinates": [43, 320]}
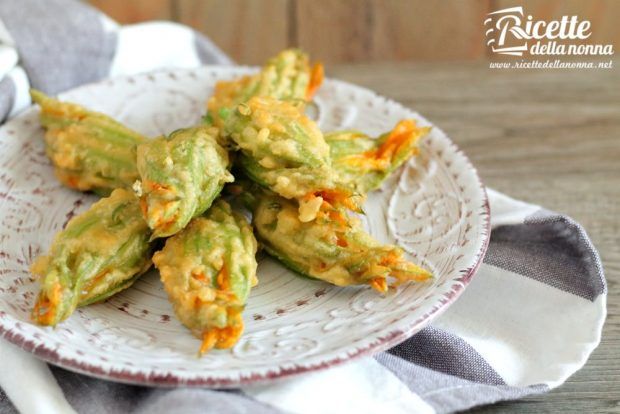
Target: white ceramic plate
{"type": "Point", "coordinates": [435, 208]}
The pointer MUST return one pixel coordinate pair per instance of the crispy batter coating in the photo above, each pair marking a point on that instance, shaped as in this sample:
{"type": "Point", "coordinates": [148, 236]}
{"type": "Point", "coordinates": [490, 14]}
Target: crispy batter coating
{"type": "Point", "coordinates": [283, 150]}
{"type": "Point", "coordinates": [333, 248]}
{"type": "Point", "coordinates": [306, 184]}
{"type": "Point", "coordinates": [207, 270]}
{"type": "Point", "coordinates": [100, 252]}
{"type": "Point", "coordinates": [287, 76]}
{"type": "Point", "coordinates": [90, 151]}
{"type": "Point", "coordinates": [180, 175]}
{"type": "Point", "coordinates": [364, 162]}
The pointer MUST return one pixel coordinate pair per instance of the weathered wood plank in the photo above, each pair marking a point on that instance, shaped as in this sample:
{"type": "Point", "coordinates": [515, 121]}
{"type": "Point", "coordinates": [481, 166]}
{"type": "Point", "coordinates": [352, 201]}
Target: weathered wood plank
{"type": "Point", "coordinates": [135, 11]}
{"type": "Point", "coordinates": [352, 30]}
{"type": "Point", "coordinates": [356, 30]}
{"type": "Point", "coordinates": [425, 30]}
{"type": "Point", "coordinates": [335, 30]}
{"type": "Point", "coordinates": [249, 31]}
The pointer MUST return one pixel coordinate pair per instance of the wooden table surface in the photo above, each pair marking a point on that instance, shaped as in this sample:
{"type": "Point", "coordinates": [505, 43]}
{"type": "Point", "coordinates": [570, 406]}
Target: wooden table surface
{"type": "Point", "coordinates": [549, 137]}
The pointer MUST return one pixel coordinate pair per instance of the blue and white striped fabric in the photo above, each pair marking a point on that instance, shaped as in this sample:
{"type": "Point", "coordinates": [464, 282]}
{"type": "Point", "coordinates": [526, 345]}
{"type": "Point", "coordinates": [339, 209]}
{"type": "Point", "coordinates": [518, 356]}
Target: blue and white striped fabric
{"type": "Point", "coordinates": [55, 45]}
{"type": "Point", "coordinates": [528, 320]}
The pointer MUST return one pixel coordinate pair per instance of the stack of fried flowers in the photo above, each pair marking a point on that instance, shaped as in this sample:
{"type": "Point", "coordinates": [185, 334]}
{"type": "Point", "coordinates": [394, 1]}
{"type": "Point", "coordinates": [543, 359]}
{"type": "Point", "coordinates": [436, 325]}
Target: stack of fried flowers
{"type": "Point", "coordinates": [164, 206]}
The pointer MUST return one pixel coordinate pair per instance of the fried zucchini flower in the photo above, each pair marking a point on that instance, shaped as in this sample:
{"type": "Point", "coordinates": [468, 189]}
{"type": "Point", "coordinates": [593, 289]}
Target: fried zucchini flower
{"type": "Point", "coordinates": [332, 248]}
{"type": "Point", "coordinates": [181, 175]}
{"type": "Point", "coordinates": [207, 270]}
{"type": "Point", "coordinates": [90, 151]}
{"type": "Point", "coordinates": [287, 76]}
{"type": "Point", "coordinates": [284, 150]}
{"type": "Point", "coordinates": [364, 162]}
{"type": "Point", "coordinates": [99, 253]}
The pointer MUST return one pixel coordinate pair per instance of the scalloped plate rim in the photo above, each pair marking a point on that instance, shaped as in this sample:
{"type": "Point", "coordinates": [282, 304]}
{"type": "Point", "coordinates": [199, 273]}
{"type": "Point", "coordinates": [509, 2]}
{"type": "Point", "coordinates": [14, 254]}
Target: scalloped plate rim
{"type": "Point", "coordinates": [170, 380]}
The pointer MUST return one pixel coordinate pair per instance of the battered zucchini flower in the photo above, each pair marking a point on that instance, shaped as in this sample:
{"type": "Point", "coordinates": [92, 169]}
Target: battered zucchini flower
{"type": "Point", "coordinates": [90, 151]}
{"type": "Point", "coordinates": [207, 270]}
{"type": "Point", "coordinates": [364, 162]}
{"type": "Point", "coordinates": [284, 150]}
{"type": "Point", "coordinates": [332, 248]}
{"type": "Point", "coordinates": [287, 76]}
{"type": "Point", "coordinates": [99, 253]}
{"type": "Point", "coordinates": [181, 175]}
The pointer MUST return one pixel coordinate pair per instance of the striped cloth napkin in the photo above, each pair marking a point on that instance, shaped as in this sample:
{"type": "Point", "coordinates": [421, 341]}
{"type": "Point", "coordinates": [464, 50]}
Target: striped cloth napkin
{"type": "Point", "coordinates": [528, 320]}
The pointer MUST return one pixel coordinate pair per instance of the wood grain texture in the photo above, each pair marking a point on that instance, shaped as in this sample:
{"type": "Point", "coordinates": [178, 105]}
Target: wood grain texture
{"type": "Point", "coordinates": [368, 30]}
{"type": "Point", "coordinates": [249, 31]}
{"type": "Point", "coordinates": [135, 11]}
{"type": "Point", "coordinates": [356, 30]}
{"type": "Point", "coordinates": [424, 30]}
{"type": "Point", "coordinates": [334, 30]}
{"type": "Point", "coordinates": [549, 137]}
